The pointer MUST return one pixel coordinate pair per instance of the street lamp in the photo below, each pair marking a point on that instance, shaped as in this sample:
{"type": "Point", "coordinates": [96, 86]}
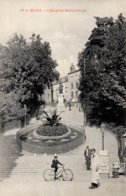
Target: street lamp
{"type": "Point", "coordinates": [102, 128]}
{"type": "Point", "coordinates": [25, 109]}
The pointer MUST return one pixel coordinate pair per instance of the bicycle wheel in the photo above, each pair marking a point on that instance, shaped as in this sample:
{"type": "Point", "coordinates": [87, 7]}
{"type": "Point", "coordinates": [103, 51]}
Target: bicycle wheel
{"type": "Point", "coordinates": [67, 175]}
{"type": "Point", "coordinates": [48, 175]}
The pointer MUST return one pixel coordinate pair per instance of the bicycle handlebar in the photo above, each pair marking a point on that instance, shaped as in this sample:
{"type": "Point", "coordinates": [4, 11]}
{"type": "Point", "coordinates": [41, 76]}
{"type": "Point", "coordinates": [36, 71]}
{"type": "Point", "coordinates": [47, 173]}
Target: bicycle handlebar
{"type": "Point", "coordinates": [62, 166]}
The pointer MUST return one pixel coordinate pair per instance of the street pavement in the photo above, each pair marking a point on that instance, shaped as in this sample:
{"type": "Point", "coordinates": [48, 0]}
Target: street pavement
{"type": "Point", "coordinates": [26, 175]}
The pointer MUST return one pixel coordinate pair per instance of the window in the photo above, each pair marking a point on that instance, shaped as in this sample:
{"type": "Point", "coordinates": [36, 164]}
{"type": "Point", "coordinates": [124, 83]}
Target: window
{"type": "Point", "coordinates": [76, 94]}
{"type": "Point", "coordinates": [72, 86]}
{"type": "Point", "coordinates": [77, 85]}
{"type": "Point", "coordinates": [72, 95]}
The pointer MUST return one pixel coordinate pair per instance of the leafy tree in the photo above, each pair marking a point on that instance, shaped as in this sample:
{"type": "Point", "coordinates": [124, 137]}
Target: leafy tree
{"type": "Point", "coordinates": [27, 68]}
{"type": "Point", "coordinates": [103, 68]}
{"type": "Point", "coordinates": [103, 75]}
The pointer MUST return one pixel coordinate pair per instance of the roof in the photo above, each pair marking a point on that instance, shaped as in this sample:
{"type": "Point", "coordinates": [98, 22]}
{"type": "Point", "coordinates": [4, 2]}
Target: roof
{"type": "Point", "coordinates": [73, 72]}
{"type": "Point", "coordinates": [61, 80]}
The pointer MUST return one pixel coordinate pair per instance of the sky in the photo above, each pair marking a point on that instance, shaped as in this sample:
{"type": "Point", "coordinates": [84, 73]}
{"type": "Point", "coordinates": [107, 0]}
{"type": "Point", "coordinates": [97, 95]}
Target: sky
{"type": "Point", "coordinates": [65, 24]}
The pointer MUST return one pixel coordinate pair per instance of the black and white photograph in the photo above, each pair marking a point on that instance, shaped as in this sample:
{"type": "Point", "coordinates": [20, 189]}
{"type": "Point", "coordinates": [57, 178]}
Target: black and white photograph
{"type": "Point", "coordinates": [62, 97]}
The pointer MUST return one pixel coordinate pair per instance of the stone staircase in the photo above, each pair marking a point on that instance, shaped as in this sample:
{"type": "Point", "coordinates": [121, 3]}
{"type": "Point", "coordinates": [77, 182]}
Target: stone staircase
{"type": "Point", "coordinates": [30, 167]}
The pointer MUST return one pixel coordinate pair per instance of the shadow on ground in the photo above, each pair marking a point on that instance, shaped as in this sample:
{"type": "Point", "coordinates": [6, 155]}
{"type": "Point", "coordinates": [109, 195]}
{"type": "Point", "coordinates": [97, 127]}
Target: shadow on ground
{"type": "Point", "coordinates": [9, 152]}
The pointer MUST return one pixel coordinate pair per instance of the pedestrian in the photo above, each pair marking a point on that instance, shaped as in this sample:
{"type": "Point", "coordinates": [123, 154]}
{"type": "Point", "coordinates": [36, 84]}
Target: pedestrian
{"type": "Point", "coordinates": [79, 106]}
{"type": "Point", "coordinates": [87, 155]}
{"type": "Point", "coordinates": [95, 178]}
{"type": "Point", "coordinates": [69, 104]}
{"type": "Point", "coordinates": [64, 101]}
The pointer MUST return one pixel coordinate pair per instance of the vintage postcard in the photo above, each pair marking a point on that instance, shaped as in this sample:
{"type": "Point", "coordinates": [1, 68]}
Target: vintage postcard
{"type": "Point", "coordinates": [62, 97]}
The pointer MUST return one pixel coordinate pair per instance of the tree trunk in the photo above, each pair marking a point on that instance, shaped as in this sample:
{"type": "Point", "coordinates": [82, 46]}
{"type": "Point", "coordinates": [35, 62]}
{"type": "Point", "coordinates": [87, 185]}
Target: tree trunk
{"type": "Point", "coordinates": [120, 154]}
{"type": "Point", "coordinates": [84, 114]}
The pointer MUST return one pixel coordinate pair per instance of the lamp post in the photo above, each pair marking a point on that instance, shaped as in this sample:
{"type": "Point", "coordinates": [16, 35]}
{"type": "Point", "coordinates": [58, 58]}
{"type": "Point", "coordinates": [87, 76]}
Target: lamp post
{"type": "Point", "coordinates": [25, 109]}
{"type": "Point", "coordinates": [102, 128]}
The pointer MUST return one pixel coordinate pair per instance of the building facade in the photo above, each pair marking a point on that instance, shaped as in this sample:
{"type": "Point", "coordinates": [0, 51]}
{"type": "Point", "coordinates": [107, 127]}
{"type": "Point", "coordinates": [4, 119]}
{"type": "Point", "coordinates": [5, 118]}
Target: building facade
{"type": "Point", "coordinates": [73, 84]}
{"type": "Point", "coordinates": [70, 85]}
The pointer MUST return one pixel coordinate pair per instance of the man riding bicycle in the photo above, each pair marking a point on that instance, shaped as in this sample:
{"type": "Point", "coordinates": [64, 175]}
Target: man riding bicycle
{"type": "Point", "coordinates": [53, 174]}
{"type": "Point", "coordinates": [54, 165]}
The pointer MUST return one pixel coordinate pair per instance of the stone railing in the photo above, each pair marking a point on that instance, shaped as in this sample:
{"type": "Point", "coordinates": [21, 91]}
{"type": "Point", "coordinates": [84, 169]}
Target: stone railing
{"type": "Point", "coordinates": [10, 124]}
{"type": "Point", "coordinates": [39, 146]}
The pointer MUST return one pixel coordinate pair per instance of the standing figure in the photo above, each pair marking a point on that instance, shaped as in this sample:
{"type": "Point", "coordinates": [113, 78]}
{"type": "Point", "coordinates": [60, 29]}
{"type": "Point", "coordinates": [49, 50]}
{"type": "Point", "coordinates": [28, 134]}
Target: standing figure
{"type": "Point", "coordinates": [64, 101]}
{"type": "Point", "coordinates": [80, 107]}
{"type": "Point", "coordinates": [69, 104]}
{"type": "Point", "coordinates": [95, 178]}
{"type": "Point", "coordinates": [87, 155]}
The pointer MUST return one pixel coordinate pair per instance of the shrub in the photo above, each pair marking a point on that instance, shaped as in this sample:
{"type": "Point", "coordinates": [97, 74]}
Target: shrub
{"type": "Point", "coordinates": [51, 118]}
{"type": "Point", "coordinates": [47, 130]}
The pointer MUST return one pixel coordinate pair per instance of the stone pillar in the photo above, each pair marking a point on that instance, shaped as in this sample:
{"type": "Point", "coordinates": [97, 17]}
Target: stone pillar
{"type": "Point", "coordinates": [60, 105]}
{"type": "Point", "coordinates": [60, 100]}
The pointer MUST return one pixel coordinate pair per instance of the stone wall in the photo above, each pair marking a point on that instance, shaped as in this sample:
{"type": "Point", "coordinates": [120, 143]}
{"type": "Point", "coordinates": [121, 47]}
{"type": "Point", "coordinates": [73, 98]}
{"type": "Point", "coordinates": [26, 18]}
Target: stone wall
{"type": "Point", "coordinates": [10, 124]}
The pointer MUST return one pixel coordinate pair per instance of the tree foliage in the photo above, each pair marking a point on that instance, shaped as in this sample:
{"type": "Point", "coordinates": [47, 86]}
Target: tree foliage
{"type": "Point", "coordinates": [10, 108]}
{"type": "Point", "coordinates": [27, 68]}
{"type": "Point", "coordinates": [103, 72]}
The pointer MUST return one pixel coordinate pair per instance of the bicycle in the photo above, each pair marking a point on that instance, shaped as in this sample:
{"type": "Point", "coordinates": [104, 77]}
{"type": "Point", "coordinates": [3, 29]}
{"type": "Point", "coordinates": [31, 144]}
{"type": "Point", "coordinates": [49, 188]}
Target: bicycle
{"type": "Point", "coordinates": [64, 174]}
